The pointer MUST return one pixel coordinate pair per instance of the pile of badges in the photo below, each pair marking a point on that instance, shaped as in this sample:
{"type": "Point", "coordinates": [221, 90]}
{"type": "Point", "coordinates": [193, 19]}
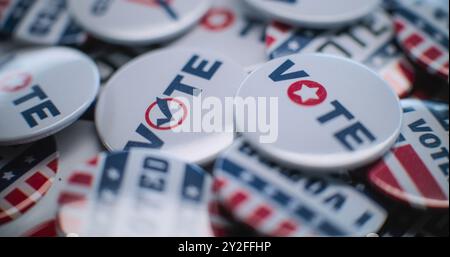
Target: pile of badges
{"type": "Point", "coordinates": [100, 102]}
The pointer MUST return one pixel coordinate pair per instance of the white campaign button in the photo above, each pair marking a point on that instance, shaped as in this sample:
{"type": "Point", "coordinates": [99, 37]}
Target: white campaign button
{"type": "Point", "coordinates": [415, 171]}
{"type": "Point", "coordinates": [44, 22]}
{"type": "Point", "coordinates": [42, 91]}
{"type": "Point", "coordinates": [135, 22]}
{"type": "Point", "coordinates": [227, 30]}
{"type": "Point", "coordinates": [333, 112]}
{"type": "Point", "coordinates": [277, 201]}
{"type": "Point", "coordinates": [315, 13]}
{"type": "Point", "coordinates": [154, 102]}
{"type": "Point", "coordinates": [136, 193]}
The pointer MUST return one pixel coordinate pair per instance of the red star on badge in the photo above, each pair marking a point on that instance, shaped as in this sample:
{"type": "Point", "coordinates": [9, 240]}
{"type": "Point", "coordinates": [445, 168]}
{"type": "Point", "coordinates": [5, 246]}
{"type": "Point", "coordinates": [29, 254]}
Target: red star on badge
{"type": "Point", "coordinates": [307, 93]}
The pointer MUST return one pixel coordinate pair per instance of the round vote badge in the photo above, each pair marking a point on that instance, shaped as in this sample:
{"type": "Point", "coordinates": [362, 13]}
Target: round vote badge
{"type": "Point", "coordinates": [370, 41]}
{"type": "Point", "coordinates": [174, 100]}
{"type": "Point", "coordinates": [415, 171]}
{"type": "Point", "coordinates": [333, 113]}
{"type": "Point", "coordinates": [42, 91]}
{"type": "Point", "coordinates": [226, 29]}
{"type": "Point", "coordinates": [45, 22]}
{"type": "Point", "coordinates": [134, 22]}
{"type": "Point", "coordinates": [422, 31]}
{"type": "Point", "coordinates": [277, 201]}
{"type": "Point", "coordinates": [136, 193]}
{"type": "Point", "coordinates": [314, 13]}
{"type": "Point", "coordinates": [26, 174]}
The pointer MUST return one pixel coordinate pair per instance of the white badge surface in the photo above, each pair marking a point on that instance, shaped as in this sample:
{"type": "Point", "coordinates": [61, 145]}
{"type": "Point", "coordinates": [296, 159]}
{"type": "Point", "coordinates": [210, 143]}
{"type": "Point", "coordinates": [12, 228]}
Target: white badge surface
{"type": "Point", "coordinates": [333, 113]}
{"type": "Point", "coordinates": [42, 91]}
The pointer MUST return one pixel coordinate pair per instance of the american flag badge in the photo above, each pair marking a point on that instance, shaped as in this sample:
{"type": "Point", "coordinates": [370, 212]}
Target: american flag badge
{"type": "Point", "coordinates": [44, 22]}
{"type": "Point", "coordinates": [422, 31]}
{"type": "Point", "coordinates": [370, 41]}
{"type": "Point", "coordinates": [277, 201]}
{"type": "Point", "coordinates": [136, 193]}
{"type": "Point", "coordinates": [416, 170]}
{"type": "Point", "coordinates": [75, 145]}
{"type": "Point", "coordinates": [26, 174]}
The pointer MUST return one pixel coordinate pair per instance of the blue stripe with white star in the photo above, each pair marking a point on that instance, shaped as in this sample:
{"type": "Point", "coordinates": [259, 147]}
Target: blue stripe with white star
{"type": "Point", "coordinates": [112, 177]}
{"type": "Point", "coordinates": [193, 184]}
{"type": "Point", "coordinates": [26, 161]}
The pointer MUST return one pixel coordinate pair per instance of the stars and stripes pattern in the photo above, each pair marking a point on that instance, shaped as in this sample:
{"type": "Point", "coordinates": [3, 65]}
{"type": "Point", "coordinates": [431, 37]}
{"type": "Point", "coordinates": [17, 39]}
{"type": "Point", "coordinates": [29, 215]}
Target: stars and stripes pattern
{"type": "Point", "coordinates": [268, 209]}
{"type": "Point", "coordinates": [424, 41]}
{"type": "Point", "coordinates": [18, 19]}
{"type": "Point", "coordinates": [385, 58]}
{"type": "Point", "coordinates": [26, 174]}
{"type": "Point", "coordinates": [253, 211]}
{"type": "Point", "coordinates": [276, 201]}
{"type": "Point", "coordinates": [407, 174]}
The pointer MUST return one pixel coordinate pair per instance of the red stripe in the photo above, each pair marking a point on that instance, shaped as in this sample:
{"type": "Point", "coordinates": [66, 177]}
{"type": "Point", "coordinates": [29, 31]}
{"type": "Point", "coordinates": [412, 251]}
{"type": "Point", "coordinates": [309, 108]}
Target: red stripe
{"type": "Point", "coordinates": [237, 199]}
{"type": "Point", "coordinates": [259, 215]}
{"type": "Point", "coordinates": [82, 179]}
{"type": "Point", "coordinates": [413, 41]}
{"type": "Point", "coordinates": [419, 173]}
{"type": "Point", "coordinates": [218, 184]}
{"type": "Point", "coordinates": [381, 176]}
{"type": "Point", "coordinates": [53, 165]}
{"type": "Point", "coordinates": [46, 229]}
{"type": "Point", "coordinates": [281, 26]}
{"type": "Point", "coordinates": [37, 181]}
{"type": "Point", "coordinates": [399, 26]}
{"type": "Point", "coordinates": [432, 54]}
{"type": "Point", "coordinates": [93, 161]}
{"type": "Point", "coordinates": [269, 41]}
{"type": "Point", "coordinates": [285, 228]}
{"type": "Point", "coordinates": [66, 197]}
{"type": "Point", "coordinates": [16, 197]}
